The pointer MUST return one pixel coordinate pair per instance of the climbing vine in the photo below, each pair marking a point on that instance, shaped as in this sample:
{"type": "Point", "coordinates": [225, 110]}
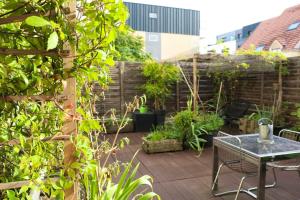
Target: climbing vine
{"type": "Point", "coordinates": [45, 28]}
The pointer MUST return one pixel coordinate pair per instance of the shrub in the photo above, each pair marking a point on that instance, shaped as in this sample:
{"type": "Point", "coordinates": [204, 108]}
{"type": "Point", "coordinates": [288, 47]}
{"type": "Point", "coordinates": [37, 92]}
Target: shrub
{"type": "Point", "coordinates": [164, 133]}
{"type": "Point", "coordinates": [194, 125]}
{"type": "Point", "coordinates": [160, 78]}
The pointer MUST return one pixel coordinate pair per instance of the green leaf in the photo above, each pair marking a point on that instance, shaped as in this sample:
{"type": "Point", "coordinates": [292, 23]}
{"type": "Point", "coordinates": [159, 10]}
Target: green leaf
{"type": "Point", "coordinates": [11, 195]}
{"type": "Point", "coordinates": [52, 41]}
{"type": "Point", "coordinates": [37, 21]}
{"type": "Point", "coordinates": [149, 196]}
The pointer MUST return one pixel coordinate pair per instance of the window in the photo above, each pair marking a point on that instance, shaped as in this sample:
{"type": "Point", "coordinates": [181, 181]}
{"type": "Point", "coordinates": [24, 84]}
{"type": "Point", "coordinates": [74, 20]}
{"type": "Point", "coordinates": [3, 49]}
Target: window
{"type": "Point", "coordinates": [249, 33]}
{"type": "Point", "coordinates": [260, 48]}
{"type": "Point", "coordinates": [153, 15]}
{"type": "Point", "coordinates": [238, 36]}
{"type": "Point", "coordinates": [294, 26]}
{"type": "Point", "coordinates": [153, 37]}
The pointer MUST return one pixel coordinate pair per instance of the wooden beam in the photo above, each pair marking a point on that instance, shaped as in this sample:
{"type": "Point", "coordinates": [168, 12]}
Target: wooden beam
{"type": "Point", "coordinates": [34, 98]}
{"type": "Point", "coordinates": [13, 19]}
{"type": "Point", "coordinates": [121, 79]}
{"type": "Point", "coordinates": [18, 184]}
{"type": "Point", "coordinates": [70, 127]}
{"type": "Point", "coordinates": [24, 52]}
{"type": "Point", "coordinates": [195, 92]}
{"type": "Point", "coordinates": [21, 18]}
{"type": "Point", "coordinates": [46, 139]}
{"type": "Point", "coordinates": [177, 96]}
{"type": "Point", "coordinates": [262, 85]}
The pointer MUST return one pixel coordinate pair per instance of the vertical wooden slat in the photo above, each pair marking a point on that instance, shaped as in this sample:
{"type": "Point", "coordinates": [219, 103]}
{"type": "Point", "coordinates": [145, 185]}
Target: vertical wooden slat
{"type": "Point", "coordinates": [195, 92]}
{"type": "Point", "coordinates": [121, 79]}
{"type": "Point", "coordinates": [70, 126]}
{"type": "Point", "coordinates": [262, 85]}
{"type": "Point", "coordinates": [177, 96]}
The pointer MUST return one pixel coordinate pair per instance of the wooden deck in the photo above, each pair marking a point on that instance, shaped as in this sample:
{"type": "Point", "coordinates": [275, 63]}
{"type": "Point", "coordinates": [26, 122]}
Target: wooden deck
{"type": "Point", "coordinates": [184, 176]}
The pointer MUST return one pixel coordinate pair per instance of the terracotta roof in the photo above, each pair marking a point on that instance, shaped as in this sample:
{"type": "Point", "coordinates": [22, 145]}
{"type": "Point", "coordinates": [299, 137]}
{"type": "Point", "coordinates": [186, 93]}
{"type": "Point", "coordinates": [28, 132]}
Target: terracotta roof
{"type": "Point", "coordinates": [277, 29]}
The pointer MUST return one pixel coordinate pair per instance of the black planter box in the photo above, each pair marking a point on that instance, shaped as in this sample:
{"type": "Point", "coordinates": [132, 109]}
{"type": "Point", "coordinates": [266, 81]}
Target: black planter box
{"type": "Point", "coordinates": [209, 139]}
{"type": "Point", "coordinates": [143, 122]}
{"type": "Point", "coordinates": [160, 117]}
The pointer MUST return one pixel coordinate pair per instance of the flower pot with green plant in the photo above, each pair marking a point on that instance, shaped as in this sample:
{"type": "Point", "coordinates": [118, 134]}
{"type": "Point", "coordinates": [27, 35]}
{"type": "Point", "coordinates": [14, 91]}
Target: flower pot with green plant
{"type": "Point", "coordinates": [160, 78]}
{"type": "Point", "coordinates": [143, 119]}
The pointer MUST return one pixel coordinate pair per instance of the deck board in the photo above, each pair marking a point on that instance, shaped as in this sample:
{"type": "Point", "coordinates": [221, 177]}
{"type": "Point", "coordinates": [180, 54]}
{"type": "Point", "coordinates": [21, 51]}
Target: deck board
{"type": "Point", "coordinates": [186, 176]}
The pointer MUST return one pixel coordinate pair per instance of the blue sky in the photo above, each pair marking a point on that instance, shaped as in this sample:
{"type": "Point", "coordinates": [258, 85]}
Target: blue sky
{"type": "Point", "coordinates": [220, 16]}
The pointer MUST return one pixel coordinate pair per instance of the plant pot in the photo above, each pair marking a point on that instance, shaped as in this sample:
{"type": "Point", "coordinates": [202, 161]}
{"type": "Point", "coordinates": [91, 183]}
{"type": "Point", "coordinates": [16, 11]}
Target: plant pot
{"type": "Point", "coordinates": [209, 139]}
{"type": "Point", "coordinates": [277, 129]}
{"type": "Point", "coordinates": [143, 122]}
{"type": "Point", "coordinates": [160, 117]}
{"type": "Point", "coordinates": [110, 128]}
{"type": "Point", "coordinates": [248, 126]}
{"type": "Point", "coordinates": [162, 146]}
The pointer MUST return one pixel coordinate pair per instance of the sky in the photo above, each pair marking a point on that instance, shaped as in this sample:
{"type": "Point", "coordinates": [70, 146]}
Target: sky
{"type": "Point", "coordinates": [221, 16]}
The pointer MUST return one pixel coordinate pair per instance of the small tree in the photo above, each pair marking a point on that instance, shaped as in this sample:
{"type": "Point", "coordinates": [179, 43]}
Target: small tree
{"type": "Point", "coordinates": [130, 47]}
{"type": "Point", "coordinates": [160, 78]}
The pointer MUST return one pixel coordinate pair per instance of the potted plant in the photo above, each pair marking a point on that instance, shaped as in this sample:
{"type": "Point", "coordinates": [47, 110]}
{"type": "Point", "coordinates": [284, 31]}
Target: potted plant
{"type": "Point", "coordinates": [144, 120]}
{"type": "Point", "coordinates": [163, 139]}
{"type": "Point", "coordinates": [160, 78]}
{"type": "Point", "coordinates": [249, 123]}
{"type": "Point", "coordinates": [198, 128]}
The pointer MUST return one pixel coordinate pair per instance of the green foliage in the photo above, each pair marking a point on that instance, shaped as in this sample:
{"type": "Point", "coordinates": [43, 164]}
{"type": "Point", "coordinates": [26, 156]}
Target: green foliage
{"type": "Point", "coordinates": [264, 112]}
{"type": "Point", "coordinates": [129, 185]}
{"type": "Point", "coordinates": [194, 125]}
{"type": "Point", "coordinates": [296, 113]}
{"type": "Point", "coordinates": [130, 47]}
{"type": "Point", "coordinates": [159, 81]}
{"type": "Point", "coordinates": [28, 123]}
{"type": "Point", "coordinates": [164, 133]}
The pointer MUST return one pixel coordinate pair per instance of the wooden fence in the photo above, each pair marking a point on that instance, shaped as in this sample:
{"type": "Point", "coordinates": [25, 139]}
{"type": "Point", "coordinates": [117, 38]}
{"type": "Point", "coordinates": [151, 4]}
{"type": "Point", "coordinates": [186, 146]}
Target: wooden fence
{"type": "Point", "coordinates": [127, 80]}
{"type": "Point", "coordinates": [255, 87]}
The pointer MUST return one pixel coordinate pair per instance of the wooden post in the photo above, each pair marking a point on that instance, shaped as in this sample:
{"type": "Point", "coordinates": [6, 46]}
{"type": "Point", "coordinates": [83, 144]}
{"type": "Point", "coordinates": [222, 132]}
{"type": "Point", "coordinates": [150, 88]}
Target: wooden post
{"type": "Point", "coordinates": [70, 125]}
{"type": "Point", "coordinates": [121, 79]}
{"type": "Point", "coordinates": [177, 96]}
{"type": "Point", "coordinates": [195, 92]}
{"type": "Point", "coordinates": [262, 85]}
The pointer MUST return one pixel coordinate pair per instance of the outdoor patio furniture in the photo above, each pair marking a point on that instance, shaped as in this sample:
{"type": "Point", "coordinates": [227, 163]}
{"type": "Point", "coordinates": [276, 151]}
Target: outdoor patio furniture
{"type": "Point", "coordinates": [233, 111]}
{"type": "Point", "coordinates": [292, 164]}
{"type": "Point", "coordinates": [244, 154]}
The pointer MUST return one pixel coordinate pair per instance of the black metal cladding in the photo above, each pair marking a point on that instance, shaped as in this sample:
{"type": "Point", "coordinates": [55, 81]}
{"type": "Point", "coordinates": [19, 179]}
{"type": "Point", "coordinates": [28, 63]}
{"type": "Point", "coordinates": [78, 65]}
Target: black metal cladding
{"type": "Point", "coordinates": [169, 20]}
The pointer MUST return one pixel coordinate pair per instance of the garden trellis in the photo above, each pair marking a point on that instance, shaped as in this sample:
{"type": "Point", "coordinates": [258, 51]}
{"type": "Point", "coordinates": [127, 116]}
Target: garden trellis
{"type": "Point", "coordinates": [67, 98]}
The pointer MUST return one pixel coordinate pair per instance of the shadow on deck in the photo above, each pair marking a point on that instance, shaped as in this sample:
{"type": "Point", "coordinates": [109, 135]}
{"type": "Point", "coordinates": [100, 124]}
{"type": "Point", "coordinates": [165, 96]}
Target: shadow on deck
{"type": "Point", "coordinates": [184, 176]}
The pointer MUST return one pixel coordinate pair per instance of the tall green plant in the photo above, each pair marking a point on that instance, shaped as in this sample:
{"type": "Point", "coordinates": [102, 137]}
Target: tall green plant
{"type": "Point", "coordinates": [159, 81]}
{"type": "Point", "coordinates": [27, 124]}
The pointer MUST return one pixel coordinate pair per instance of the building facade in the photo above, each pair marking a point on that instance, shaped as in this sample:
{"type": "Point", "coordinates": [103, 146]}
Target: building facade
{"type": "Point", "coordinates": [240, 35]}
{"type": "Point", "coordinates": [167, 32]}
{"type": "Point", "coordinates": [281, 33]}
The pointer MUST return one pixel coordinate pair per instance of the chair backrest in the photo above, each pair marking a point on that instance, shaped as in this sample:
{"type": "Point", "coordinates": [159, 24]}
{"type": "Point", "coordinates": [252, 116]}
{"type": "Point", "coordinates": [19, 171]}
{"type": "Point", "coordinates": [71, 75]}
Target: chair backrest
{"type": "Point", "coordinates": [290, 134]}
{"type": "Point", "coordinates": [236, 109]}
{"type": "Point", "coordinates": [235, 160]}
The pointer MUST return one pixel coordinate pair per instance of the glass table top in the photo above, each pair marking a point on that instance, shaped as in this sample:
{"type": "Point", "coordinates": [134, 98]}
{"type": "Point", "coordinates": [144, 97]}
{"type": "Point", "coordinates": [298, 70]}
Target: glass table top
{"type": "Point", "coordinates": [249, 144]}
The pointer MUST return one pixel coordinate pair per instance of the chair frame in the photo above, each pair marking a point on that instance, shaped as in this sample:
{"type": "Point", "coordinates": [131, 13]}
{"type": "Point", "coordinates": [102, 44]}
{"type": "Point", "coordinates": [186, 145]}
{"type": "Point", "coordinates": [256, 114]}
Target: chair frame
{"type": "Point", "coordinates": [277, 165]}
{"type": "Point", "coordinates": [246, 175]}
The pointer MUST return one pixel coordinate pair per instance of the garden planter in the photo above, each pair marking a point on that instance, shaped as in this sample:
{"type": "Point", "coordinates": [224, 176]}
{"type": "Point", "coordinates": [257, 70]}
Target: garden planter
{"type": "Point", "coordinates": [248, 126]}
{"type": "Point", "coordinates": [110, 128]}
{"type": "Point", "coordinates": [162, 146]}
{"type": "Point", "coordinates": [209, 139]}
{"type": "Point", "coordinates": [160, 117]}
{"type": "Point", "coordinates": [143, 122]}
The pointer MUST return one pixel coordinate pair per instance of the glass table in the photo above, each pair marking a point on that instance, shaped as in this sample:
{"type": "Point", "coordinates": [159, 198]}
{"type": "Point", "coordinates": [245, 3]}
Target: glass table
{"type": "Point", "coordinates": [256, 153]}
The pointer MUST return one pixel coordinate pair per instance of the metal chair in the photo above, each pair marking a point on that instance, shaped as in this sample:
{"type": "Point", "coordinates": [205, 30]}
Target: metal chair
{"type": "Point", "coordinates": [236, 162]}
{"type": "Point", "coordinates": [293, 164]}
